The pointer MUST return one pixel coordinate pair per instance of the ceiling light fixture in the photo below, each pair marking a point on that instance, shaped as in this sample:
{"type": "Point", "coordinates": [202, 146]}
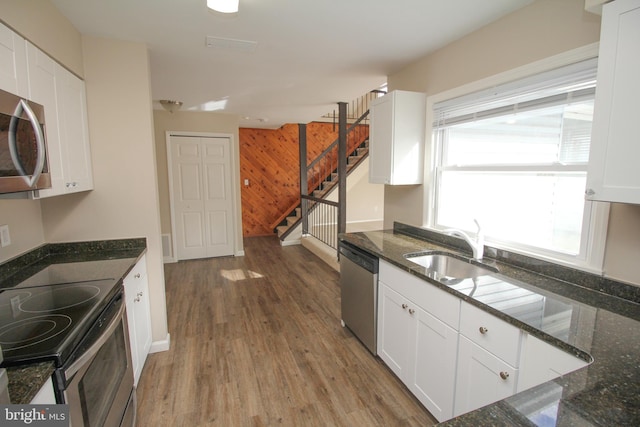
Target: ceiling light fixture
{"type": "Point", "coordinates": [223, 6]}
{"type": "Point", "coordinates": [170, 105]}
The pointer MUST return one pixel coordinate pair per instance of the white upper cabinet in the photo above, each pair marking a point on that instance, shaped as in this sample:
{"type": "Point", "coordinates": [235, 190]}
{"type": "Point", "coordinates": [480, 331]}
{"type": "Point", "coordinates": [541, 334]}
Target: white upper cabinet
{"type": "Point", "coordinates": [614, 174]}
{"type": "Point", "coordinates": [42, 89]}
{"type": "Point", "coordinates": [63, 96]}
{"type": "Point", "coordinates": [74, 132]}
{"type": "Point", "coordinates": [13, 63]}
{"type": "Point", "coordinates": [396, 133]}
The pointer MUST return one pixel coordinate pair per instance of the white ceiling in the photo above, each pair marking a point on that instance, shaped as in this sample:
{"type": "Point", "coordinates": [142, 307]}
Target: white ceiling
{"type": "Point", "coordinates": [309, 54]}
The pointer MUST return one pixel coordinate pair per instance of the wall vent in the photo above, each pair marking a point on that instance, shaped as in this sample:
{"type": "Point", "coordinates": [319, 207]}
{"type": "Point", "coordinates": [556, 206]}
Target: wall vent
{"type": "Point", "coordinates": [231, 44]}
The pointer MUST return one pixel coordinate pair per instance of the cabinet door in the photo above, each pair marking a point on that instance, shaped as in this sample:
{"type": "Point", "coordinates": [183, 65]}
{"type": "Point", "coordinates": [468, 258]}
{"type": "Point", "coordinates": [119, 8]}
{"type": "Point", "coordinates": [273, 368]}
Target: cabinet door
{"type": "Point", "coordinates": [481, 378]}
{"type": "Point", "coordinates": [613, 173]}
{"type": "Point", "coordinates": [63, 96]}
{"type": "Point", "coordinates": [13, 63]}
{"type": "Point", "coordinates": [397, 138]}
{"type": "Point", "coordinates": [434, 364]}
{"type": "Point", "coordinates": [42, 89]}
{"type": "Point", "coordinates": [138, 316]}
{"type": "Point", "coordinates": [74, 133]}
{"type": "Point", "coordinates": [393, 330]}
{"type": "Point", "coordinates": [381, 140]}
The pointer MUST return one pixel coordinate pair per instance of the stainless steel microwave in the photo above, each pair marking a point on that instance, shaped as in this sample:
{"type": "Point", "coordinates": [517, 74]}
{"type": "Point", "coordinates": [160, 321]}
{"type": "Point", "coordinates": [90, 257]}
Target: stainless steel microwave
{"type": "Point", "coordinates": [23, 149]}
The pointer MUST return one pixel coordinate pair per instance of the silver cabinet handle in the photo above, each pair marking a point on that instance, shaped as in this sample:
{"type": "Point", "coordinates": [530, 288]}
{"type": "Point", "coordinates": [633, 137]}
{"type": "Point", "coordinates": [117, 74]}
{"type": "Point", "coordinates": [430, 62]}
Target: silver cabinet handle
{"type": "Point", "coordinates": [504, 375]}
{"type": "Point", "coordinates": [404, 306]}
{"type": "Point", "coordinates": [483, 330]}
{"type": "Point", "coordinates": [589, 192]}
{"type": "Point", "coordinates": [411, 311]}
{"type": "Point", "coordinates": [13, 145]}
{"type": "Point", "coordinates": [137, 276]}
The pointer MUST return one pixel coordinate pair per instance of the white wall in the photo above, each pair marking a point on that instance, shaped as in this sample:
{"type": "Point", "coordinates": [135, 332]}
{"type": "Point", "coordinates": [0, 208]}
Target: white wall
{"type": "Point", "coordinates": [365, 201]}
{"type": "Point", "coordinates": [124, 202]}
{"type": "Point", "coordinates": [538, 31]}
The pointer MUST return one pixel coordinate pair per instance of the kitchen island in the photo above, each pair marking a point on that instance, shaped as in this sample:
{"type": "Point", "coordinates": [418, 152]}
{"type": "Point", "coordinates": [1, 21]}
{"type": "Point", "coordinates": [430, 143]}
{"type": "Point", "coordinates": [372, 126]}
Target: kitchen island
{"type": "Point", "coordinates": [603, 324]}
{"type": "Point", "coordinates": [95, 259]}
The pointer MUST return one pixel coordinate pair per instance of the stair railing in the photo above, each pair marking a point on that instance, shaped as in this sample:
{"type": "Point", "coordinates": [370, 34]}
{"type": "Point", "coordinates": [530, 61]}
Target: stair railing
{"type": "Point", "coordinates": [321, 218]}
{"type": "Point", "coordinates": [324, 168]}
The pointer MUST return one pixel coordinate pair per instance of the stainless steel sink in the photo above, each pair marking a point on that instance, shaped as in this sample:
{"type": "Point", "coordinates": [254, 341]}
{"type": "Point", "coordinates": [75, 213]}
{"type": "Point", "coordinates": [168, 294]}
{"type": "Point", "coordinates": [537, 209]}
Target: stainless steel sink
{"type": "Point", "coordinates": [444, 267]}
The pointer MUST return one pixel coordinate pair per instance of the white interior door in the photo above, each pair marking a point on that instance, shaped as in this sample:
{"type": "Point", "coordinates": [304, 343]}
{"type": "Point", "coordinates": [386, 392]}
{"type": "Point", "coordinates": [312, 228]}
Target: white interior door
{"type": "Point", "coordinates": [201, 196]}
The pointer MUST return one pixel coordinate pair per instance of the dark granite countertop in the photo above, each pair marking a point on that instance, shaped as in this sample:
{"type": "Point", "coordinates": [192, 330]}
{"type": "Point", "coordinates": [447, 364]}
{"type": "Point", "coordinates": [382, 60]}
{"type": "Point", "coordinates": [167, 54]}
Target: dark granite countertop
{"type": "Point", "coordinates": [601, 319]}
{"type": "Point", "coordinates": [88, 260]}
{"type": "Point", "coordinates": [26, 381]}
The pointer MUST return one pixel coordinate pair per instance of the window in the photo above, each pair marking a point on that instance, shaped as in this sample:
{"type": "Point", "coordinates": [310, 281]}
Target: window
{"type": "Point", "coordinates": [515, 157]}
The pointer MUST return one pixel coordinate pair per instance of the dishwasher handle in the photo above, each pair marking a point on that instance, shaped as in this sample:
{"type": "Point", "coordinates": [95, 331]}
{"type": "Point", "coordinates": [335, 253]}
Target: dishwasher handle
{"type": "Point", "coordinates": [363, 259]}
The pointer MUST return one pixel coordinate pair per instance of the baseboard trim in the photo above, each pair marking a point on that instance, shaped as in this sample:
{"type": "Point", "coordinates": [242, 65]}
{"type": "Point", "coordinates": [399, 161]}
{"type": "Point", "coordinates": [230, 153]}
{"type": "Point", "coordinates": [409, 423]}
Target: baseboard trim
{"type": "Point", "coordinates": [158, 346]}
{"type": "Point", "coordinates": [290, 242]}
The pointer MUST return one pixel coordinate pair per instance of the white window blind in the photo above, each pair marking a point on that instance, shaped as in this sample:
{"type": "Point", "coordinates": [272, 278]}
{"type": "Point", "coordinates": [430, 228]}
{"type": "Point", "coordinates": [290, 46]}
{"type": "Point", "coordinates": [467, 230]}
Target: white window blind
{"type": "Point", "coordinates": [515, 157]}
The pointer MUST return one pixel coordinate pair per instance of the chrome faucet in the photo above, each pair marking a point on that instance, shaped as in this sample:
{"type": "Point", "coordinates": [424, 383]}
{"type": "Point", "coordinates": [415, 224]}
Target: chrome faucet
{"type": "Point", "coordinates": [477, 245]}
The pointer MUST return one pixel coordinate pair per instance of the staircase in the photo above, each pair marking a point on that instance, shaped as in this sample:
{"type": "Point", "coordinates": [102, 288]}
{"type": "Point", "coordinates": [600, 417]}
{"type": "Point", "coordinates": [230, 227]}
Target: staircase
{"type": "Point", "coordinates": [324, 188]}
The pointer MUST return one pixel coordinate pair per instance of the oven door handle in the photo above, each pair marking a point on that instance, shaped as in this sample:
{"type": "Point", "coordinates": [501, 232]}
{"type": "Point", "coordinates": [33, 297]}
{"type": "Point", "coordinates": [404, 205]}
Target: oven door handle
{"type": "Point", "coordinates": [23, 107]}
{"type": "Point", "coordinates": [95, 347]}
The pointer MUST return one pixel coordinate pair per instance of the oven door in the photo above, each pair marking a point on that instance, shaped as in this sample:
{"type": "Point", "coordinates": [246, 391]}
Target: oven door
{"type": "Point", "coordinates": [99, 377]}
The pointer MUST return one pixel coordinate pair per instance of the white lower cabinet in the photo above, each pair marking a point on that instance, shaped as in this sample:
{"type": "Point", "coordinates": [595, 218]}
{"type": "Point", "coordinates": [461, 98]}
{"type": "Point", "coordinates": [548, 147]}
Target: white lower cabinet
{"type": "Point", "coordinates": [541, 362]}
{"type": "Point", "coordinates": [419, 349]}
{"type": "Point", "coordinates": [454, 356]}
{"type": "Point", "coordinates": [419, 346]}
{"type": "Point", "coordinates": [482, 378]}
{"type": "Point", "coordinates": [434, 366]}
{"type": "Point", "coordinates": [136, 292]}
{"type": "Point", "coordinates": [488, 357]}
{"type": "Point", "coordinates": [46, 395]}
{"type": "Point", "coordinates": [393, 330]}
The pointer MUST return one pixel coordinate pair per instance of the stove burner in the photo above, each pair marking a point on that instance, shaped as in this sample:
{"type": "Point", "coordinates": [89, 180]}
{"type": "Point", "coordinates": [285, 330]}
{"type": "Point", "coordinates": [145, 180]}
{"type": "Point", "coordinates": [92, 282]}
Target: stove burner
{"type": "Point", "coordinates": [7, 306]}
{"type": "Point", "coordinates": [32, 331]}
{"type": "Point", "coordinates": [59, 298]}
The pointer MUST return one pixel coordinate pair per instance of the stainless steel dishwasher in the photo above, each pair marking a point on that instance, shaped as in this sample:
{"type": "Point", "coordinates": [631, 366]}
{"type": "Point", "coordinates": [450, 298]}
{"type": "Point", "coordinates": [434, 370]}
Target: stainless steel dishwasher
{"type": "Point", "coordinates": [359, 293]}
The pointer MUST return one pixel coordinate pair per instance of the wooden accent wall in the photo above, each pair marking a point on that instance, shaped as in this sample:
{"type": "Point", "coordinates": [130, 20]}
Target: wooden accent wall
{"type": "Point", "coordinates": [269, 160]}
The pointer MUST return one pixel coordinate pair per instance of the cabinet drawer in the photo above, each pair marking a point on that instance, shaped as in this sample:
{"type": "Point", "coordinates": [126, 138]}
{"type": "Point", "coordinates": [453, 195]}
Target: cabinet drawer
{"type": "Point", "coordinates": [430, 298]}
{"type": "Point", "coordinates": [491, 333]}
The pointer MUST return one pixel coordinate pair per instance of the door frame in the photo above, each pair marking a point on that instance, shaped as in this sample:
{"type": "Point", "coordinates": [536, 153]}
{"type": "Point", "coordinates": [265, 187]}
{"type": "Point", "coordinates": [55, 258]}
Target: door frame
{"type": "Point", "coordinates": [238, 248]}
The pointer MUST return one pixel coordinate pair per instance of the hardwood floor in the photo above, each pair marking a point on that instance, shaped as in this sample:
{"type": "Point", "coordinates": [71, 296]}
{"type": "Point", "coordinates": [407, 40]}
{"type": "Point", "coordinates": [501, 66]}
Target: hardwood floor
{"type": "Point", "coordinates": [257, 341]}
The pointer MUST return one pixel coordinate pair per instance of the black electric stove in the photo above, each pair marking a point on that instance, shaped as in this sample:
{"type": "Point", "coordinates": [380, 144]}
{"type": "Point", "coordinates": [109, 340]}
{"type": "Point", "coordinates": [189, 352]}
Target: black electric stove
{"type": "Point", "coordinates": [45, 316]}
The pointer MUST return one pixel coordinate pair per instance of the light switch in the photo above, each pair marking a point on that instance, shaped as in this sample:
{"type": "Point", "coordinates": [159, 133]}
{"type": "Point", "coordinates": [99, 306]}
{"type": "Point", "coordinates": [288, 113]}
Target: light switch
{"type": "Point", "coordinates": [246, 182]}
{"type": "Point", "coordinates": [5, 237]}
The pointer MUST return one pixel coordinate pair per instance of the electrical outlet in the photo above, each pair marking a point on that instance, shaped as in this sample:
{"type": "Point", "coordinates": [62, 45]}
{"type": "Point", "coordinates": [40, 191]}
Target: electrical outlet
{"type": "Point", "coordinates": [5, 237]}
